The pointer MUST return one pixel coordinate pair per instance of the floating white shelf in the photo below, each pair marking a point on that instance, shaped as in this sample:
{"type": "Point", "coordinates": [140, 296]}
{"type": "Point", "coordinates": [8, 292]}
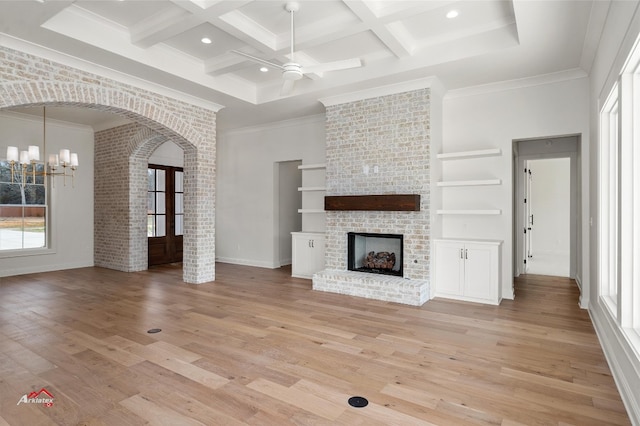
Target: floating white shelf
{"type": "Point", "coordinates": [310, 211]}
{"type": "Point", "coordinates": [469, 154]}
{"type": "Point", "coordinates": [478, 182]}
{"type": "Point", "coordinates": [470, 212]}
{"type": "Point", "coordinates": [312, 188]}
{"type": "Point", "coordinates": [312, 166]}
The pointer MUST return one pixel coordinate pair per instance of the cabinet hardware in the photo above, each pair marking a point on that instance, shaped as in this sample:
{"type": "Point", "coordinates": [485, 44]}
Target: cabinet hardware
{"type": "Point", "coordinates": [466, 253]}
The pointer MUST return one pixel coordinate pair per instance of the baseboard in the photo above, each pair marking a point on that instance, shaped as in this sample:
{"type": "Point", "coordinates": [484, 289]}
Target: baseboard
{"type": "Point", "coordinates": [247, 262]}
{"type": "Point", "coordinates": [584, 297]}
{"type": "Point", "coordinates": [618, 354]}
{"type": "Point", "coordinates": [35, 269]}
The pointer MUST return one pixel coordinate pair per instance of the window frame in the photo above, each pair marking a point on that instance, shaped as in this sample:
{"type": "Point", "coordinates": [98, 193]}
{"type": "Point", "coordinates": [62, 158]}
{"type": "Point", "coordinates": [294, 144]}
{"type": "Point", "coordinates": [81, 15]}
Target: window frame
{"type": "Point", "coordinates": [619, 171]}
{"type": "Point", "coordinates": [608, 201]}
{"type": "Point", "coordinates": [47, 246]}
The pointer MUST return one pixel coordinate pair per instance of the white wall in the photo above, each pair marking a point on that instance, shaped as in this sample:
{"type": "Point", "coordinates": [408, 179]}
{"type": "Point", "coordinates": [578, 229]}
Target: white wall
{"type": "Point", "coordinates": [71, 209]}
{"type": "Point", "coordinates": [550, 196]}
{"type": "Point", "coordinates": [620, 33]}
{"type": "Point", "coordinates": [478, 119]}
{"type": "Point", "coordinates": [246, 185]}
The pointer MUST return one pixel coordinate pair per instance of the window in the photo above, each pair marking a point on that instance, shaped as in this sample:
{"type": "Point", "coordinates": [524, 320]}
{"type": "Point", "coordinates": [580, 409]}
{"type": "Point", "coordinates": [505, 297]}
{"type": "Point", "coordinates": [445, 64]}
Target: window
{"type": "Point", "coordinates": [608, 205]}
{"type": "Point", "coordinates": [157, 211]}
{"type": "Point", "coordinates": [179, 202]}
{"type": "Point", "coordinates": [619, 200]}
{"type": "Point", "coordinates": [23, 208]}
{"type": "Point", "coordinates": [160, 180]}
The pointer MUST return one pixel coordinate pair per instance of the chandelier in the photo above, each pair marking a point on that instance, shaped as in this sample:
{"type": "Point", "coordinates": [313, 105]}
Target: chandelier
{"type": "Point", "coordinates": [26, 163]}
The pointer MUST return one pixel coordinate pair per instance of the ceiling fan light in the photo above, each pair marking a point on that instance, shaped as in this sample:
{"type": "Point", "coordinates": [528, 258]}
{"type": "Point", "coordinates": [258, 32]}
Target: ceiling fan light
{"type": "Point", "coordinates": [291, 71]}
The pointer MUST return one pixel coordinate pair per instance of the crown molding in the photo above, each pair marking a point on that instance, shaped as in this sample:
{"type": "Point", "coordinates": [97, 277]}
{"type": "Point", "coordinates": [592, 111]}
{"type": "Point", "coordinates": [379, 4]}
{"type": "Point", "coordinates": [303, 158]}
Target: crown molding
{"type": "Point", "coordinates": [90, 67]}
{"type": "Point", "coordinates": [538, 80]}
{"type": "Point", "coordinates": [390, 89]}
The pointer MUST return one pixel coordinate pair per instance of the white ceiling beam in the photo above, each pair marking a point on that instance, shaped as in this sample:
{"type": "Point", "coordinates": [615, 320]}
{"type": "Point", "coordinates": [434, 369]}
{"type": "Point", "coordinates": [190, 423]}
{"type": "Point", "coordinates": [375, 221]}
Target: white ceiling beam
{"type": "Point", "coordinates": [487, 27]}
{"type": "Point", "coordinates": [210, 8]}
{"type": "Point", "coordinates": [205, 4]}
{"type": "Point", "coordinates": [322, 32]}
{"type": "Point", "coordinates": [399, 47]}
{"type": "Point", "coordinates": [223, 64]}
{"type": "Point", "coordinates": [224, 14]}
{"type": "Point", "coordinates": [162, 26]}
{"type": "Point", "coordinates": [248, 30]}
{"type": "Point", "coordinates": [389, 11]}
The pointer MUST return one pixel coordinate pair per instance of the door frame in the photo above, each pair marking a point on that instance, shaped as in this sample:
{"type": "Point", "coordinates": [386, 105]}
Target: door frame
{"type": "Point", "coordinates": [175, 255]}
{"type": "Point", "coordinates": [575, 184]}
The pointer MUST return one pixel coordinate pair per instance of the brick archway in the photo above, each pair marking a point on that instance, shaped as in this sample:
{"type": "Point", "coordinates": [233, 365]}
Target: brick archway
{"type": "Point", "coordinates": [28, 80]}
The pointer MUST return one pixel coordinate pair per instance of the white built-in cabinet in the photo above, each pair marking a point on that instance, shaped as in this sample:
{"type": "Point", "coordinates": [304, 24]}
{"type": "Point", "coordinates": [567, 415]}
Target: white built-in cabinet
{"type": "Point", "coordinates": [468, 270]}
{"type": "Point", "coordinates": [308, 245]}
{"type": "Point", "coordinates": [307, 253]}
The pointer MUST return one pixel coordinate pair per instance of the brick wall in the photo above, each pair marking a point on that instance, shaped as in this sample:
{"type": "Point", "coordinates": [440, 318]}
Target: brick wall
{"type": "Point", "coordinates": [391, 133]}
{"type": "Point", "coordinates": [120, 200]}
{"type": "Point", "coordinates": [28, 80]}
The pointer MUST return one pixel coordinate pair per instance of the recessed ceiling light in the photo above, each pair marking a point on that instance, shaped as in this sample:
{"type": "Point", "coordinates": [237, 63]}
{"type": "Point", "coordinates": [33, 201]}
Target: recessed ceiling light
{"type": "Point", "coordinates": [452, 14]}
{"type": "Point", "coordinates": [264, 69]}
{"type": "Point", "coordinates": [205, 40]}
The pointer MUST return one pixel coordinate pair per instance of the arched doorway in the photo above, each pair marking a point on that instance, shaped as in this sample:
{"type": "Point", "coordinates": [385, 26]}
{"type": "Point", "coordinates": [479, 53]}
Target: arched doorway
{"type": "Point", "coordinates": [190, 126]}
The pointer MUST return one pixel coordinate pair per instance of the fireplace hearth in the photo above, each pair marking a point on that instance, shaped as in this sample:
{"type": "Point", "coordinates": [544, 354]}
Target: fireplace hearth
{"type": "Point", "coordinates": [375, 253]}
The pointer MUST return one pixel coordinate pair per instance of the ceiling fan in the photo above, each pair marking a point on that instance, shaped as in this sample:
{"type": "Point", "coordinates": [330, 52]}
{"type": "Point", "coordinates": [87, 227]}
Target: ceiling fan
{"type": "Point", "coordinates": [292, 71]}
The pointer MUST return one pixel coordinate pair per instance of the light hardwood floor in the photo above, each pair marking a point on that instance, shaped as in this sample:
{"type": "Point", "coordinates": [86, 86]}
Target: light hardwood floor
{"type": "Point", "coordinates": [259, 347]}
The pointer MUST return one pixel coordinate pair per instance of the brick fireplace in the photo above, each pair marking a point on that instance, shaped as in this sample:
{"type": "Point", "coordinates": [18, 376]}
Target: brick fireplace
{"type": "Point", "coordinates": [376, 146]}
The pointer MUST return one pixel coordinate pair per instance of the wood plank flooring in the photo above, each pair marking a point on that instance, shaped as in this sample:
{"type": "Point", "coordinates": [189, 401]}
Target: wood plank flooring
{"type": "Point", "coordinates": [258, 347]}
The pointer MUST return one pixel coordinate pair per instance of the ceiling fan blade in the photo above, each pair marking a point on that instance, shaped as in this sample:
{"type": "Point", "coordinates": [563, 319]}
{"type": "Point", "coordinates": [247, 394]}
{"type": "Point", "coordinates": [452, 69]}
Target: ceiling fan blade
{"type": "Point", "coordinates": [287, 87]}
{"type": "Point", "coordinates": [256, 59]}
{"type": "Point", "coordinates": [333, 66]}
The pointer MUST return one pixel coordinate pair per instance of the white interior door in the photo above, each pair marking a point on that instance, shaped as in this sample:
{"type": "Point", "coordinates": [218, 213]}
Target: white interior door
{"type": "Point", "coordinates": [528, 215]}
{"type": "Point", "coordinates": [529, 210]}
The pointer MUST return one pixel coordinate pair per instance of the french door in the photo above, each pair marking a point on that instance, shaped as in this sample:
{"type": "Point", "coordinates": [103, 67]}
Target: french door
{"type": "Point", "coordinates": [165, 214]}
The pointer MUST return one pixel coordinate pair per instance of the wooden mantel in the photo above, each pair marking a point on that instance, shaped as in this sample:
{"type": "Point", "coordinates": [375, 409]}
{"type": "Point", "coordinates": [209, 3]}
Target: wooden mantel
{"type": "Point", "coordinates": [390, 202]}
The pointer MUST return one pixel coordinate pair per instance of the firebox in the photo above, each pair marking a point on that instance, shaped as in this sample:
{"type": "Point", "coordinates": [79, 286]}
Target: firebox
{"type": "Point", "coordinates": [375, 253]}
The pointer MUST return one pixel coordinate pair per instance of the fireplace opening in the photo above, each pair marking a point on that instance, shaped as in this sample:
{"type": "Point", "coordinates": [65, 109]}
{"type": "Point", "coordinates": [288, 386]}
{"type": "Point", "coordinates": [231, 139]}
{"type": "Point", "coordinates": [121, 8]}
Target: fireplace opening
{"type": "Point", "coordinates": [375, 253]}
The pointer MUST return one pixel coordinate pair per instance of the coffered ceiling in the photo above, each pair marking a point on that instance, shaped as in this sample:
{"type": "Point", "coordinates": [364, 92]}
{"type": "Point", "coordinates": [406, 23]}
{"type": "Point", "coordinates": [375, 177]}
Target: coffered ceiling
{"type": "Point", "coordinates": [159, 42]}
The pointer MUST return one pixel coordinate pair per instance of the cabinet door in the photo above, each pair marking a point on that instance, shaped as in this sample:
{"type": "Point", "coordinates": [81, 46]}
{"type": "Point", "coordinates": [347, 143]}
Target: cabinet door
{"type": "Point", "coordinates": [316, 255]}
{"type": "Point", "coordinates": [479, 281]}
{"type": "Point", "coordinates": [300, 255]}
{"type": "Point", "coordinates": [449, 268]}
{"type": "Point", "coordinates": [307, 254]}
